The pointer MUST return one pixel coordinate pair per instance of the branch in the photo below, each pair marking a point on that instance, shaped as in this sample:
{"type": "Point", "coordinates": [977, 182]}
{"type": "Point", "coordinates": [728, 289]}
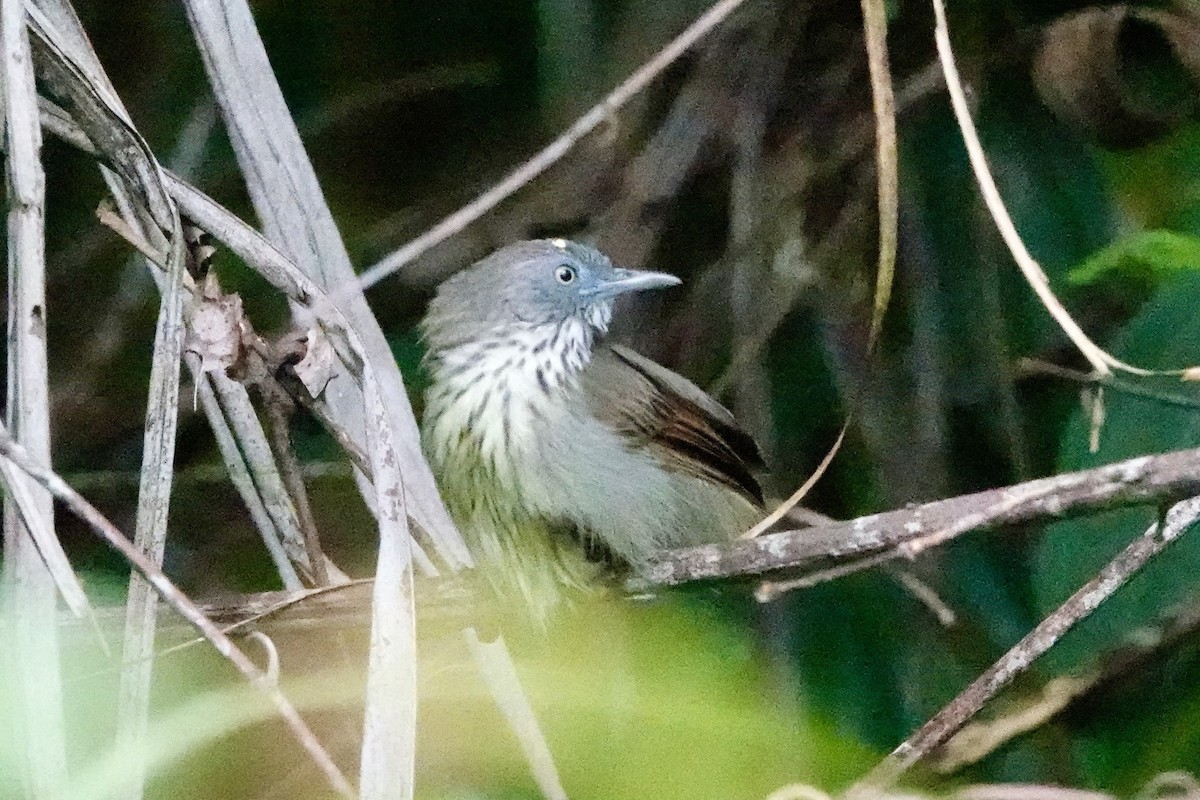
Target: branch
{"type": "Point", "coordinates": [33, 559]}
{"type": "Point", "coordinates": [908, 531]}
{"type": "Point", "coordinates": [1127, 660]}
{"type": "Point", "coordinates": [1179, 519]}
{"type": "Point", "coordinates": [845, 545]}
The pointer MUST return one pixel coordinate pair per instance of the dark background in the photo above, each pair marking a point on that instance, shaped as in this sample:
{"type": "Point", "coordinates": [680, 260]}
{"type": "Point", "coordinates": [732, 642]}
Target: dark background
{"type": "Point", "coordinates": [747, 169]}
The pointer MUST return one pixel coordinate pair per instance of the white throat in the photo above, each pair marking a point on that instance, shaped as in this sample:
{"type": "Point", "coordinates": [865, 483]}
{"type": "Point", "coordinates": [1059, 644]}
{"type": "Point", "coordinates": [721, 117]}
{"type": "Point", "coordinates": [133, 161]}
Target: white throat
{"type": "Point", "coordinates": [492, 393]}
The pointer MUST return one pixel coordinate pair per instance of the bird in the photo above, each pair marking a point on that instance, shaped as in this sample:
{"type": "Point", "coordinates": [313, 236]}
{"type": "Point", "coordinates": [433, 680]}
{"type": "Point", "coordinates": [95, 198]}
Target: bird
{"type": "Point", "coordinates": [562, 457]}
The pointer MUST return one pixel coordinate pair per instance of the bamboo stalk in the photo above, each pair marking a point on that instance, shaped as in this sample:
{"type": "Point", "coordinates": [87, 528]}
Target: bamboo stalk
{"type": "Point", "coordinates": [29, 586]}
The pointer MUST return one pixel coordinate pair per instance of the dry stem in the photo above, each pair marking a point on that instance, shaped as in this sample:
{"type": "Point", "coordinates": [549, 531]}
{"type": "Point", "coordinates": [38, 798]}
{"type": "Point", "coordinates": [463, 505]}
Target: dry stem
{"type": "Point", "coordinates": [182, 604]}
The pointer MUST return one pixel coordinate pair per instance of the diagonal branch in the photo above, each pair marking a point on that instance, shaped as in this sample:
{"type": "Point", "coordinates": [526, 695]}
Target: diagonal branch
{"type": "Point", "coordinates": [1101, 361]}
{"type": "Point", "coordinates": [1179, 519]}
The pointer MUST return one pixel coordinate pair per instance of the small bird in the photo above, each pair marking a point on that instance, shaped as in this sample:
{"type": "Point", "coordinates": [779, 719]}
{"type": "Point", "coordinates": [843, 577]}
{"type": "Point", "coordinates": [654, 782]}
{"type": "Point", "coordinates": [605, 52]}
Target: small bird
{"type": "Point", "coordinates": [560, 455]}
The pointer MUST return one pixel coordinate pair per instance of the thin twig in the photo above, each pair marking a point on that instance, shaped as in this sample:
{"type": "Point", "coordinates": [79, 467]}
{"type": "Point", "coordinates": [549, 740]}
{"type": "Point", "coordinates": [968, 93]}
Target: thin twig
{"type": "Point", "coordinates": [978, 738]}
{"type": "Point", "coordinates": [256, 449]}
{"type": "Point", "coordinates": [553, 152]}
{"type": "Point", "coordinates": [206, 474]}
{"type": "Point", "coordinates": [278, 406]}
{"type": "Point", "coordinates": [1033, 366]}
{"type": "Point", "coordinates": [770, 590]}
{"type": "Point", "coordinates": [239, 475]}
{"type": "Point", "coordinates": [181, 603]}
{"type": "Point", "coordinates": [291, 599]}
{"type": "Point", "coordinates": [787, 505]}
{"type": "Point", "coordinates": [253, 608]}
{"type": "Point", "coordinates": [1101, 361]}
{"type": "Point", "coordinates": [279, 436]}
{"type": "Point", "coordinates": [927, 596]}
{"type": "Point", "coordinates": [1179, 519]}
{"type": "Point", "coordinates": [324, 415]}
{"type": "Point", "coordinates": [887, 161]}
{"type": "Point", "coordinates": [271, 673]}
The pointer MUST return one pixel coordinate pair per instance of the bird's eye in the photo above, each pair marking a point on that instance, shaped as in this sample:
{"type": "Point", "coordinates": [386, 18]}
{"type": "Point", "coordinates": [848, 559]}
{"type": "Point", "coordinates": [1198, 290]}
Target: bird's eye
{"type": "Point", "coordinates": [564, 274]}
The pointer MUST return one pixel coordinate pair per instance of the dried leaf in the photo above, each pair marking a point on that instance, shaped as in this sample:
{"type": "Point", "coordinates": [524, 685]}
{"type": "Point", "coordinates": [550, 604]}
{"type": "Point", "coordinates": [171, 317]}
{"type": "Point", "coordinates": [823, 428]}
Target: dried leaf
{"type": "Point", "coordinates": [214, 331]}
{"type": "Point", "coordinates": [318, 366]}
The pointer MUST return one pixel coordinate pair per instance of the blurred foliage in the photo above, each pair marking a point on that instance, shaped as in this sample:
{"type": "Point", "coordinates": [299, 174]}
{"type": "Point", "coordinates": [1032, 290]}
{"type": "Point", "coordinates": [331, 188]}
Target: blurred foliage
{"type": "Point", "coordinates": [627, 716]}
{"type": "Point", "coordinates": [408, 110]}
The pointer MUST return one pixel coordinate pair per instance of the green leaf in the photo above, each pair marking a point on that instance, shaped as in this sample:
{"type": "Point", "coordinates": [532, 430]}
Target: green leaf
{"type": "Point", "coordinates": [1150, 255]}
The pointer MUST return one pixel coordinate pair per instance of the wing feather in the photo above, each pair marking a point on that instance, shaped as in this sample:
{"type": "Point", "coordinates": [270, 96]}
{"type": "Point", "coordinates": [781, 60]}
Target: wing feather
{"type": "Point", "coordinates": [684, 428]}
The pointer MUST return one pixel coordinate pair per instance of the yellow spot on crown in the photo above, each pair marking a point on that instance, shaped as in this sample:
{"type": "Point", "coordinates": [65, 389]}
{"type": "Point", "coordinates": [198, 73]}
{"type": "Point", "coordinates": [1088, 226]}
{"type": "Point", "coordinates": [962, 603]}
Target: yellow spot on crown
{"type": "Point", "coordinates": [561, 244]}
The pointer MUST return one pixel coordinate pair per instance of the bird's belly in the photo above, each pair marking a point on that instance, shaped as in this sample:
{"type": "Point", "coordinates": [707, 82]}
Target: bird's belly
{"type": "Point", "coordinates": [510, 457]}
{"type": "Point", "coordinates": [494, 475]}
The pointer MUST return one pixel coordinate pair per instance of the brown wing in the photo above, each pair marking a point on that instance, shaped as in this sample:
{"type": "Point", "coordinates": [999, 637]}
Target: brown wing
{"type": "Point", "coordinates": [683, 427]}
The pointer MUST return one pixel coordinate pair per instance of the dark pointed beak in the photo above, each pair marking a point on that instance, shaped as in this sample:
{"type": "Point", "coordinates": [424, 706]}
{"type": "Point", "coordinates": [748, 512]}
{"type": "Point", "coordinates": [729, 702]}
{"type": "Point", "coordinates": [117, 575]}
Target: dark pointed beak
{"type": "Point", "coordinates": [632, 280]}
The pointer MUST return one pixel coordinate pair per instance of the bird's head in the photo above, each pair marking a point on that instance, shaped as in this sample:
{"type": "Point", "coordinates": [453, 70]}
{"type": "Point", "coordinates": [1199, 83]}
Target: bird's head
{"type": "Point", "coordinates": [544, 282]}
